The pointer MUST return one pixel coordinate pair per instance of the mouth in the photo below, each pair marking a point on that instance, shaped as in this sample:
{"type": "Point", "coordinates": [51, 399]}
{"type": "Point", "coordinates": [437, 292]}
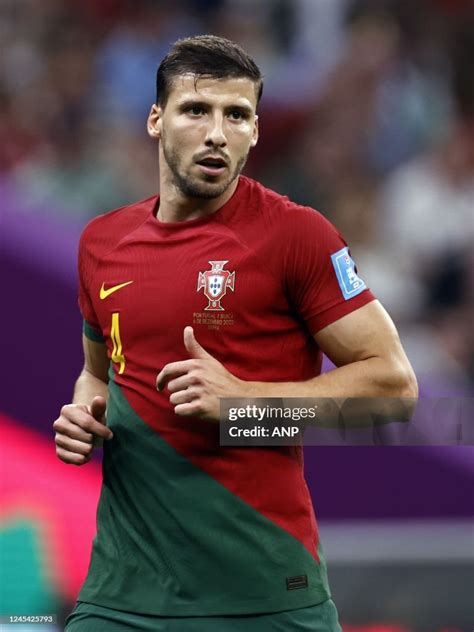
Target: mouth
{"type": "Point", "coordinates": [212, 165]}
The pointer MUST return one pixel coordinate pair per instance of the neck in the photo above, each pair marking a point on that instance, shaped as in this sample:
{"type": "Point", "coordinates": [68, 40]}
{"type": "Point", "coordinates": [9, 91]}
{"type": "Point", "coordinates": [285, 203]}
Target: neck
{"type": "Point", "coordinates": [175, 206]}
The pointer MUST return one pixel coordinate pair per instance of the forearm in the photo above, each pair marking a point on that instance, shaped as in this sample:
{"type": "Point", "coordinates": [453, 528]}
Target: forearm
{"type": "Point", "coordinates": [370, 378]}
{"type": "Point", "coordinates": [87, 387]}
{"type": "Point", "coordinates": [364, 393]}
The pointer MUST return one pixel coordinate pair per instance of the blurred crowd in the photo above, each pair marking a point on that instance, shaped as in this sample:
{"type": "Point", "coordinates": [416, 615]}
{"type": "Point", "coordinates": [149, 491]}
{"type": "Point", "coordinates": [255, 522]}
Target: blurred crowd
{"type": "Point", "coordinates": [367, 115]}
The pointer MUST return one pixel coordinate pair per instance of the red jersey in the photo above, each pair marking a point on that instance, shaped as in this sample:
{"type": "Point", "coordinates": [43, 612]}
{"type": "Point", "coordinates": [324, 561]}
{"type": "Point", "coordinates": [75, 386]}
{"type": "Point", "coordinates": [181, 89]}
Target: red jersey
{"type": "Point", "coordinates": [186, 527]}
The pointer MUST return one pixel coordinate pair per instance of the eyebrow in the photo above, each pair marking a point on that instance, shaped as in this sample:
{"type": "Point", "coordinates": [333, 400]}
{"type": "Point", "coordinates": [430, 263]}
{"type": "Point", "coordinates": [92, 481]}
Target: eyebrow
{"type": "Point", "coordinates": [192, 103]}
{"type": "Point", "coordinates": [188, 103]}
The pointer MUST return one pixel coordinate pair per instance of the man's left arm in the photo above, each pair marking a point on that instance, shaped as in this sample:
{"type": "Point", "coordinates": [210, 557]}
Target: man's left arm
{"type": "Point", "coordinates": [364, 345]}
{"type": "Point", "coordinates": [366, 349]}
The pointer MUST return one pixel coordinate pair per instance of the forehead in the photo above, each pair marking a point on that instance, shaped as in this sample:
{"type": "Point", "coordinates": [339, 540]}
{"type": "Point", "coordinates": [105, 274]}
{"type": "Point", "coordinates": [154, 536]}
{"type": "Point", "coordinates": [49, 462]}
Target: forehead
{"type": "Point", "coordinates": [233, 90]}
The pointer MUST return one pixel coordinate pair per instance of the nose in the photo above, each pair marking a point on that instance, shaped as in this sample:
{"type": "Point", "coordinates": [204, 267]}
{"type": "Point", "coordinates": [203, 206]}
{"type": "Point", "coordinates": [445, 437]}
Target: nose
{"type": "Point", "coordinates": [215, 135]}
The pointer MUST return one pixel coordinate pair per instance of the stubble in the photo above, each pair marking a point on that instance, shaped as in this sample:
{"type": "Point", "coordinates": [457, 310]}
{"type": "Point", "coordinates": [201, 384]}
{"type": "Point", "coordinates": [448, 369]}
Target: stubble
{"type": "Point", "coordinates": [190, 186]}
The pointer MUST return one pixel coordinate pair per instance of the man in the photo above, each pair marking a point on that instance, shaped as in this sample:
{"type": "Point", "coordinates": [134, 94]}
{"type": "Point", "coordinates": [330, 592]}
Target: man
{"type": "Point", "coordinates": [216, 288]}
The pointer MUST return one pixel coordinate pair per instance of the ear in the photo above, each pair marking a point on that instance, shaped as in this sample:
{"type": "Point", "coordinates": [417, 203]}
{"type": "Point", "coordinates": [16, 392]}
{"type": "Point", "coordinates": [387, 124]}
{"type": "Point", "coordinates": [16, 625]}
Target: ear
{"type": "Point", "coordinates": [254, 140]}
{"type": "Point", "coordinates": [153, 124]}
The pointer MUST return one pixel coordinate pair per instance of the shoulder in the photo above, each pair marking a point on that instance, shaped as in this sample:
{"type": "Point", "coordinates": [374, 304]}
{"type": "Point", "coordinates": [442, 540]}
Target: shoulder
{"type": "Point", "coordinates": [285, 217]}
{"type": "Point", "coordinates": [105, 231]}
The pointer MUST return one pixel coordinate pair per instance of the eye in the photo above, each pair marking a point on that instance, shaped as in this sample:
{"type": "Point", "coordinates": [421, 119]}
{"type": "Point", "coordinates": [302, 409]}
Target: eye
{"type": "Point", "coordinates": [236, 115]}
{"type": "Point", "coordinates": [196, 110]}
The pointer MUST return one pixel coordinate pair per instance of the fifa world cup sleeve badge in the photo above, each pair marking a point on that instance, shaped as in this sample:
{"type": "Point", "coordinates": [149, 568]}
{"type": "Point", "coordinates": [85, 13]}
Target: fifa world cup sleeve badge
{"type": "Point", "coordinates": [215, 283]}
{"type": "Point", "coordinates": [350, 283]}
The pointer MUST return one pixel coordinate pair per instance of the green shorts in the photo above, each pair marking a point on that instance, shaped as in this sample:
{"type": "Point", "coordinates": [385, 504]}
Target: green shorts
{"type": "Point", "coordinates": [87, 617]}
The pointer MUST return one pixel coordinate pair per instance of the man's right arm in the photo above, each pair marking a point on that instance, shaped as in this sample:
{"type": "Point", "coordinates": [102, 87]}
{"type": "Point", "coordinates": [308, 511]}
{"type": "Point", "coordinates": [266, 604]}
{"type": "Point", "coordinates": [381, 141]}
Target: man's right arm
{"type": "Point", "coordinates": [81, 425]}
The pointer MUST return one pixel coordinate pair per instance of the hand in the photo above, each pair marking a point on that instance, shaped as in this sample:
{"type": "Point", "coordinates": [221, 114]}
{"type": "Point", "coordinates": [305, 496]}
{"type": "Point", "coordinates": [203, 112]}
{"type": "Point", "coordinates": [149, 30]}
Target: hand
{"type": "Point", "coordinates": [197, 384]}
{"type": "Point", "coordinates": [79, 429]}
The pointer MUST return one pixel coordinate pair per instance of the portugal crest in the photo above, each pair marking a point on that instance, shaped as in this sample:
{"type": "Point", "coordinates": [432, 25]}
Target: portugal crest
{"type": "Point", "coordinates": [215, 283]}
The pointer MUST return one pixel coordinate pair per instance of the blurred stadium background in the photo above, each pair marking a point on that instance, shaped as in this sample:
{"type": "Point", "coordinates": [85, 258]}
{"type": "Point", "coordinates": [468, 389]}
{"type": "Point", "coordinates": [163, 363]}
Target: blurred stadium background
{"type": "Point", "coordinates": [367, 116]}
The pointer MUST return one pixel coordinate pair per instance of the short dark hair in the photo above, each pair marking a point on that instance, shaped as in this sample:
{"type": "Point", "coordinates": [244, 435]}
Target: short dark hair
{"type": "Point", "coordinates": [205, 56]}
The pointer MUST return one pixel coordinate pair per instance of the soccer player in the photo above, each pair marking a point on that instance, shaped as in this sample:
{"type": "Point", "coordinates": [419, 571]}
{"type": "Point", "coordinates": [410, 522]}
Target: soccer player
{"type": "Point", "coordinates": [218, 287]}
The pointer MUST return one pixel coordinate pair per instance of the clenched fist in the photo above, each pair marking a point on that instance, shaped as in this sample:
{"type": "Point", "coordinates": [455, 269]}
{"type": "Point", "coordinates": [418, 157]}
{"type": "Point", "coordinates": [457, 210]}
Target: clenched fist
{"type": "Point", "coordinates": [79, 429]}
{"type": "Point", "coordinates": [196, 385]}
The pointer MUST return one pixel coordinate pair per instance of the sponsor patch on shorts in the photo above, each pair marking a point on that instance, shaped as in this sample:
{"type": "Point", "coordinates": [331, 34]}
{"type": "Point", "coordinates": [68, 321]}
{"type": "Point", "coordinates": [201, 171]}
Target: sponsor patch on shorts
{"type": "Point", "coordinates": [351, 285]}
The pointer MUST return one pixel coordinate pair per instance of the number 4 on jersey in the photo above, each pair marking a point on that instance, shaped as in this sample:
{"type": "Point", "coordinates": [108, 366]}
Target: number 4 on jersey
{"type": "Point", "coordinates": [117, 355]}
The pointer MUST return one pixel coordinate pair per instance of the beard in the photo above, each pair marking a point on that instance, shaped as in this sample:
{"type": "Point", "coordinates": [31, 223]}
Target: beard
{"type": "Point", "coordinates": [192, 186]}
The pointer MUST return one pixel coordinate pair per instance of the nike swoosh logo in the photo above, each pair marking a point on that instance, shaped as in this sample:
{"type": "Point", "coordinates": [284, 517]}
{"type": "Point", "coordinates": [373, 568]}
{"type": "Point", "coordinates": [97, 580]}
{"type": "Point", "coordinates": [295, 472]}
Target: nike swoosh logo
{"type": "Point", "coordinates": [105, 293]}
